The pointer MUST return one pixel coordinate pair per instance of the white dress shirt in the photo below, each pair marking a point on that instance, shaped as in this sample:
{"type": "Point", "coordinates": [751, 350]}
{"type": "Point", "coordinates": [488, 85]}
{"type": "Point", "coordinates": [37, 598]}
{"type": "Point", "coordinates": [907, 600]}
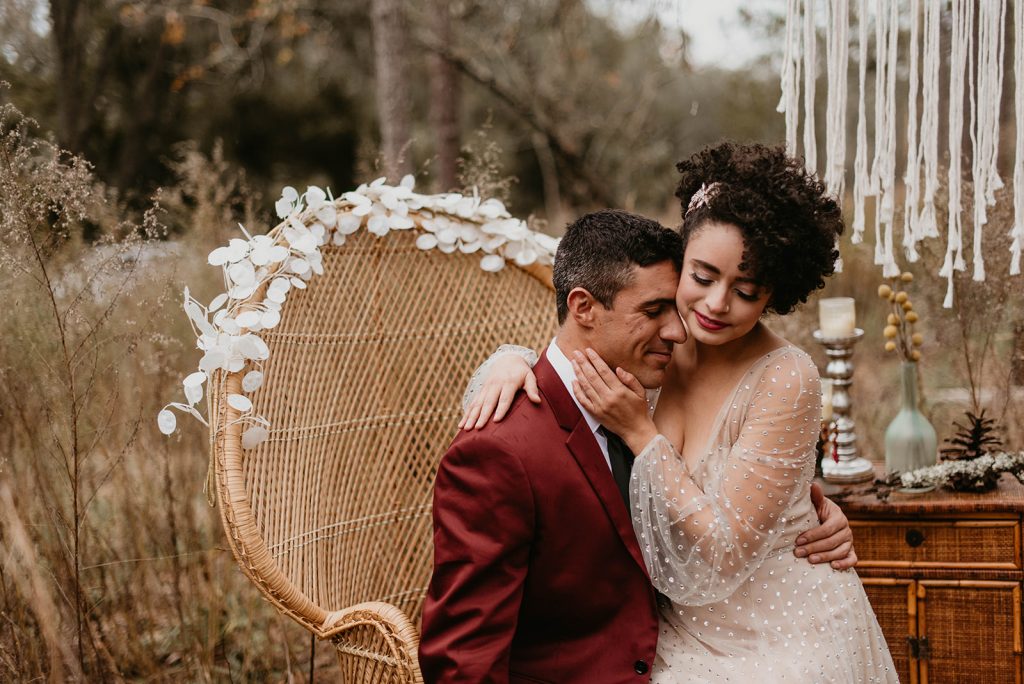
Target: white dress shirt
{"type": "Point", "coordinates": [560, 362]}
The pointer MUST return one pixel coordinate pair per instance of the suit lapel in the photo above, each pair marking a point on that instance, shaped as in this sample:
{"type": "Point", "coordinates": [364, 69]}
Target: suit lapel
{"type": "Point", "coordinates": [583, 446]}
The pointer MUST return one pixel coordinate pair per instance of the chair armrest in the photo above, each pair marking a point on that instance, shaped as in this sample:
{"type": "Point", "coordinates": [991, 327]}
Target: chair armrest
{"type": "Point", "coordinates": [378, 632]}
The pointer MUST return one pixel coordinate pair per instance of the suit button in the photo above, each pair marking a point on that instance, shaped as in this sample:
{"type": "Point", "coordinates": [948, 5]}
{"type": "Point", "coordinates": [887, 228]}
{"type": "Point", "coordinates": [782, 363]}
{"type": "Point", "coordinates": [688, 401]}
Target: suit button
{"type": "Point", "coordinates": [640, 667]}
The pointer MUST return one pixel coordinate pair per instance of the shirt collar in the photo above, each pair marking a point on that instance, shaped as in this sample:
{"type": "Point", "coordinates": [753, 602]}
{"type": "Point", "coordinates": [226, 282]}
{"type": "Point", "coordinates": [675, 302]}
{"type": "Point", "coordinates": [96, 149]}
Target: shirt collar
{"type": "Point", "coordinates": [560, 362]}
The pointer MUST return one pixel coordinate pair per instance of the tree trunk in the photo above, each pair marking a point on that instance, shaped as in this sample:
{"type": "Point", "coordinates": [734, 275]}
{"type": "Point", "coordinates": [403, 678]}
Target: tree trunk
{"type": "Point", "coordinates": [444, 102]}
{"type": "Point", "coordinates": [1017, 359]}
{"type": "Point", "coordinates": [390, 42]}
{"type": "Point", "coordinates": [549, 175]}
{"type": "Point", "coordinates": [593, 189]}
{"type": "Point", "coordinates": [69, 40]}
{"type": "Point", "coordinates": [152, 92]}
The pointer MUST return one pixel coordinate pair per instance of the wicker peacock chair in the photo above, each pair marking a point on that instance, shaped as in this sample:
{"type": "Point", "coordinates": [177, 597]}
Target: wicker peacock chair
{"type": "Point", "coordinates": [330, 516]}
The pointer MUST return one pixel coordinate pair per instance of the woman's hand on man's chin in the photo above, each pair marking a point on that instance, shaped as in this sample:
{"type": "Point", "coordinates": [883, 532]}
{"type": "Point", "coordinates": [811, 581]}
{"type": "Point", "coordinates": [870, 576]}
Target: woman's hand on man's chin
{"type": "Point", "coordinates": [614, 397]}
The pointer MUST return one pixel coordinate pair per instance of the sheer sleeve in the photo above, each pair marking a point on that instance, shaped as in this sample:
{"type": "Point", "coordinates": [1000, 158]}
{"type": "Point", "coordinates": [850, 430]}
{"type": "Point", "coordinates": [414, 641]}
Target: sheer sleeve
{"type": "Point", "coordinates": [700, 543]}
{"type": "Point", "coordinates": [480, 375]}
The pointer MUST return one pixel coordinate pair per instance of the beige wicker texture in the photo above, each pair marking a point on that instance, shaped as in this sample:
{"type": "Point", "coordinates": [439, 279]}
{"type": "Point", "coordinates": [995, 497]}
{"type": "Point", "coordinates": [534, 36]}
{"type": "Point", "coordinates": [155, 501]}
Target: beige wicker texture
{"type": "Point", "coordinates": [894, 603]}
{"type": "Point", "coordinates": [970, 543]}
{"type": "Point", "coordinates": [963, 649]}
{"type": "Point", "coordinates": [330, 517]}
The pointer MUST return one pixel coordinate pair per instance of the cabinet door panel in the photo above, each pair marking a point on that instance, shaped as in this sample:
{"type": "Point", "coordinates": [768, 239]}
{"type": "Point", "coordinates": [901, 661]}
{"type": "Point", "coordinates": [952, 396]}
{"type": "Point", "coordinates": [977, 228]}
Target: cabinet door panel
{"type": "Point", "coordinates": [972, 629]}
{"type": "Point", "coordinates": [895, 606]}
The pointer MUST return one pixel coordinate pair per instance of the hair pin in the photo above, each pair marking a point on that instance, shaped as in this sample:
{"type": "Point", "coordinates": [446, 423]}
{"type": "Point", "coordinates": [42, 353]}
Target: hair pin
{"type": "Point", "coordinates": [702, 198]}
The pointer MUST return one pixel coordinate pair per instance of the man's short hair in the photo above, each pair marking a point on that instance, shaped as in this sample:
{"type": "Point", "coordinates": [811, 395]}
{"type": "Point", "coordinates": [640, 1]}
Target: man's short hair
{"type": "Point", "coordinates": [600, 250]}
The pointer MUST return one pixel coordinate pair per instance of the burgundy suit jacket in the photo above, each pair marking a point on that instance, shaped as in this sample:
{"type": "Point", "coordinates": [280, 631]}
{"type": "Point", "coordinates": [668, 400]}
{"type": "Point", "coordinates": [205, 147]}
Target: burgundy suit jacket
{"type": "Point", "coordinates": [538, 576]}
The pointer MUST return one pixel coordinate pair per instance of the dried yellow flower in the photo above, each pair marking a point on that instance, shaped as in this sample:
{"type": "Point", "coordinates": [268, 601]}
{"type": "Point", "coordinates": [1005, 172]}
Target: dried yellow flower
{"type": "Point", "coordinates": [898, 333]}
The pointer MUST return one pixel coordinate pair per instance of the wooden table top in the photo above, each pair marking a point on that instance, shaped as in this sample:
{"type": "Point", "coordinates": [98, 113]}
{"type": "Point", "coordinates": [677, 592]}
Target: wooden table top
{"type": "Point", "coordinates": [860, 499]}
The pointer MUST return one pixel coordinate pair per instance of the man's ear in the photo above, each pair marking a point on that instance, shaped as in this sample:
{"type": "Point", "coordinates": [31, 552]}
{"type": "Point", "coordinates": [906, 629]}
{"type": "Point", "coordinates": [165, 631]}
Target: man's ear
{"type": "Point", "coordinates": [582, 305]}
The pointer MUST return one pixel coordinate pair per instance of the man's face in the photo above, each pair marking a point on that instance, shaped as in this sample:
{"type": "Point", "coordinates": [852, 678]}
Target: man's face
{"type": "Point", "coordinates": [638, 331]}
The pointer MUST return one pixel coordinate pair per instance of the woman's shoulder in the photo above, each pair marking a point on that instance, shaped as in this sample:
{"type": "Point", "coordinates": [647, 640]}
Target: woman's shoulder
{"type": "Point", "coordinates": [786, 362]}
{"type": "Point", "coordinates": [791, 354]}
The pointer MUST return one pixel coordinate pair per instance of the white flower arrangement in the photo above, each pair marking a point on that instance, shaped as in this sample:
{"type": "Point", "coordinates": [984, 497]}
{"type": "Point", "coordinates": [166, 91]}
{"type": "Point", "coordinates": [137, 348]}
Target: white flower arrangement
{"type": "Point", "coordinates": [965, 475]}
{"type": "Point", "coordinates": [269, 266]}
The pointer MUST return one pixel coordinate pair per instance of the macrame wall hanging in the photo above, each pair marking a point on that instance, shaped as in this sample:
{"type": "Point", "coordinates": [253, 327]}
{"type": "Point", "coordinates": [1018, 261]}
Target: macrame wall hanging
{"type": "Point", "coordinates": [975, 46]}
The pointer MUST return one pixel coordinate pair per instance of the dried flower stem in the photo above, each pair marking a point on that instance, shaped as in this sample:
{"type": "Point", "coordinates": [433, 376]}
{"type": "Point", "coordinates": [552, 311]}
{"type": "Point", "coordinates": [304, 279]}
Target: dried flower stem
{"type": "Point", "coordinates": [71, 398]}
{"type": "Point", "coordinates": [899, 330]}
{"type": "Point", "coordinates": [45, 193]}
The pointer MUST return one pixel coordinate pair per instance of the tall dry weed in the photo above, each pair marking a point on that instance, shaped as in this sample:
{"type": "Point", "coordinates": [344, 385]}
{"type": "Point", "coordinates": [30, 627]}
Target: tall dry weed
{"type": "Point", "coordinates": [112, 565]}
{"type": "Point", "coordinates": [480, 168]}
{"type": "Point", "coordinates": [986, 334]}
{"type": "Point", "coordinates": [61, 320]}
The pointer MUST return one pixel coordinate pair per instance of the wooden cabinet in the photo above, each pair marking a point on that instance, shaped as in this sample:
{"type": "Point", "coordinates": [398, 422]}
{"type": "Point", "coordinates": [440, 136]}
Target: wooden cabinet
{"type": "Point", "coordinates": [944, 573]}
{"type": "Point", "coordinates": [895, 605]}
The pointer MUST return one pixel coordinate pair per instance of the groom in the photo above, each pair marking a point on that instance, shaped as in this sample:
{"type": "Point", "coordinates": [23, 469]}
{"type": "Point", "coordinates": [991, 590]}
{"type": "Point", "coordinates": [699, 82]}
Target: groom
{"type": "Point", "coordinates": [538, 576]}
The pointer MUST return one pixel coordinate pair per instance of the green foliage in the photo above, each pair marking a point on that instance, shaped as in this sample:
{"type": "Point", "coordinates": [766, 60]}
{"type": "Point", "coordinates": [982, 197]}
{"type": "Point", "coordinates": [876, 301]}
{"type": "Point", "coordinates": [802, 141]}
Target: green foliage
{"type": "Point", "coordinates": [288, 89]}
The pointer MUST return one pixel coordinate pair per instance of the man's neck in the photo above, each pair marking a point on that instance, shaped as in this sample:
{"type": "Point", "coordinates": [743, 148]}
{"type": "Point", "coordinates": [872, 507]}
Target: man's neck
{"type": "Point", "coordinates": [560, 356]}
{"type": "Point", "coordinates": [570, 341]}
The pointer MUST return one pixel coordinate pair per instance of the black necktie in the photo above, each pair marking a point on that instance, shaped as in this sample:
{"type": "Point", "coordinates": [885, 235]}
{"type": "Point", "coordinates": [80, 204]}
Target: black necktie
{"type": "Point", "coordinates": [621, 459]}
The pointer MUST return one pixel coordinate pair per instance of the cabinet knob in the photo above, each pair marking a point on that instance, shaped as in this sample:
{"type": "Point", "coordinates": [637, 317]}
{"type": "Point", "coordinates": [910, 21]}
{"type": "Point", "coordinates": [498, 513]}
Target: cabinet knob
{"type": "Point", "coordinates": [915, 538]}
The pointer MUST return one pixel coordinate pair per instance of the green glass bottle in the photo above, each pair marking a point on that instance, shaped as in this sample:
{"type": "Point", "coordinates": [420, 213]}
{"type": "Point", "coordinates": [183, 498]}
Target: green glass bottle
{"type": "Point", "coordinates": [910, 440]}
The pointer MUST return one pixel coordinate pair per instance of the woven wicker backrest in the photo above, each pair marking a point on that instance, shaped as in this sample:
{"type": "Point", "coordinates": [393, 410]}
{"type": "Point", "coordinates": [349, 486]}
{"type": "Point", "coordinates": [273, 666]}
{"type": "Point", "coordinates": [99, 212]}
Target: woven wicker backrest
{"type": "Point", "coordinates": [362, 390]}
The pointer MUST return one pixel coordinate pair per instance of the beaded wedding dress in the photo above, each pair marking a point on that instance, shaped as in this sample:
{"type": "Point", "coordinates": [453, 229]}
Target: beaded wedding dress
{"type": "Point", "coordinates": [718, 537]}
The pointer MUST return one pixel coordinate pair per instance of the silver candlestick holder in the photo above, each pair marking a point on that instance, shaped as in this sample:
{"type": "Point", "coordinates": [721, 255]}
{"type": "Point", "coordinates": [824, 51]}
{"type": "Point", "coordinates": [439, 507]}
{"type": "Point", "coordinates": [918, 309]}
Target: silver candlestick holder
{"type": "Point", "coordinates": [850, 467]}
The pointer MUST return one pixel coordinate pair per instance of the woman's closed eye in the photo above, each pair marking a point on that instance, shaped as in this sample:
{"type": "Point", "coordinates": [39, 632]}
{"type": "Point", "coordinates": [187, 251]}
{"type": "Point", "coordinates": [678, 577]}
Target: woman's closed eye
{"type": "Point", "coordinates": [750, 297]}
{"type": "Point", "coordinates": [700, 280]}
{"type": "Point", "coordinates": [743, 294]}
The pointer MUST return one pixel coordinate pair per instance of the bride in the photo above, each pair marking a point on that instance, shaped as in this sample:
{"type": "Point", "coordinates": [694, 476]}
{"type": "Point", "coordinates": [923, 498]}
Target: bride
{"type": "Point", "coordinates": [720, 483]}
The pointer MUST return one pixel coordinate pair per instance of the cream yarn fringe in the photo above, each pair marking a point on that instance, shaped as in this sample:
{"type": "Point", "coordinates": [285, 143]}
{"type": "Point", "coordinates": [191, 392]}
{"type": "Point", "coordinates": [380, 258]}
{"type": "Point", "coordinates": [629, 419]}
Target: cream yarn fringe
{"type": "Point", "coordinates": [976, 50]}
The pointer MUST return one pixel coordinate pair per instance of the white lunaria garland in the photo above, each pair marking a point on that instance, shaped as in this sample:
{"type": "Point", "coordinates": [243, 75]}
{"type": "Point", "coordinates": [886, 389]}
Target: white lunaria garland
{"type": "Point", "coordinates": [976, 48]}
{"type": "Point", "coordinates": [227, 330]}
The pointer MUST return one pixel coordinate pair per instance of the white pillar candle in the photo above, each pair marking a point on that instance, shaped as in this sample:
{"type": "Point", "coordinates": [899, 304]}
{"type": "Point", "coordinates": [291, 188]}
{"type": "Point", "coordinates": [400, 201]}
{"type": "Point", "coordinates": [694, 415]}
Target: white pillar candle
{"type": "Point", "coordinates": [837, 316]}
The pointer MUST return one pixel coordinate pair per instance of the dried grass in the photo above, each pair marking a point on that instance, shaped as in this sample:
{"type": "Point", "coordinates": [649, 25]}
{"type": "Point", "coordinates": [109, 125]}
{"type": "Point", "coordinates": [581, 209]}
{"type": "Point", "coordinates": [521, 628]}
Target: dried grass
{"type": "Point", "coordinates": [112, 565]}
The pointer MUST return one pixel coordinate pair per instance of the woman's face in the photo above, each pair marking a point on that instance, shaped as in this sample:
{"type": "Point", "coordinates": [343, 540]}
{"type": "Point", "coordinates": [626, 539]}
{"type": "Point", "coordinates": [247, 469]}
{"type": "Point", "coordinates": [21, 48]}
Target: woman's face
{"type": "Point", "coordinates": [719, 302]}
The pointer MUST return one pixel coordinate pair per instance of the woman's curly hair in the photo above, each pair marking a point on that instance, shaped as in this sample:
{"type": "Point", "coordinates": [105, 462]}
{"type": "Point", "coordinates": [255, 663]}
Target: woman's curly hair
{"type": "Point", "coordinates": [789, 223]}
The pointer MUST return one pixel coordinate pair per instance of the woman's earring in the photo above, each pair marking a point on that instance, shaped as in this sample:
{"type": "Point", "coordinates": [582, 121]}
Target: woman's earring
{"type": "Point", "coordinates": [686, 329]}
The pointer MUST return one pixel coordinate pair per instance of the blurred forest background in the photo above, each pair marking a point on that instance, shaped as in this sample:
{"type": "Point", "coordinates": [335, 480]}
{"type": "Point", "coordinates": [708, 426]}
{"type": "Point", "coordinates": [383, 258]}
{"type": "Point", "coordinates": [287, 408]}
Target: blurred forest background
{"type": "Point", "coordinates": [137, 135]}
